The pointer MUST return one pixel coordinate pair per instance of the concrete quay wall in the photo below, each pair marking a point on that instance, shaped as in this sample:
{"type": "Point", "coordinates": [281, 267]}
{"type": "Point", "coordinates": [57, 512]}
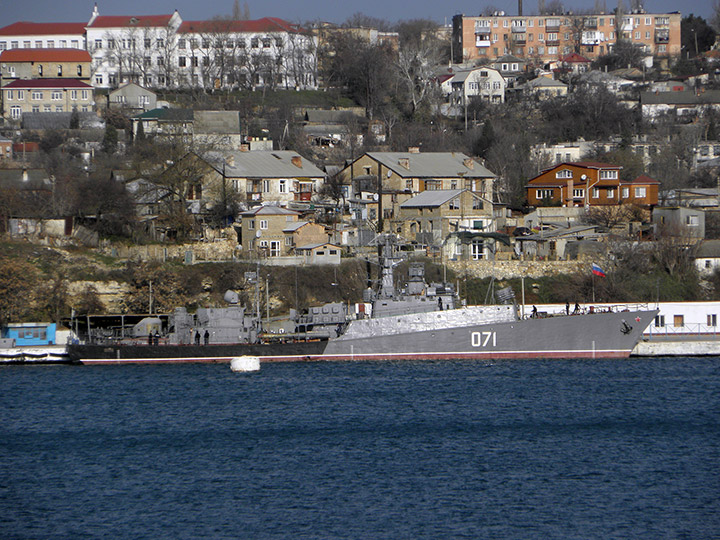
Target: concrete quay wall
{"type": "Point", "coordinates": [677, 348]}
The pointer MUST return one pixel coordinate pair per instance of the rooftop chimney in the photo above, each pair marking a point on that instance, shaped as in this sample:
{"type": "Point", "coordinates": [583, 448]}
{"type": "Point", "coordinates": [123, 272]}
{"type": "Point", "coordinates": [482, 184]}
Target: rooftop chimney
{"type": "Point", "coordinates": [414, 150]}
{"type": "Point", "coordinates": [519, 8]}
{"type": "Point", "coordinates": [469, 163]}
{"type": "Point", "coordinates": [404, 162]}
{"type": "Point", "coordinates": [230, 160]}
{"type": "Point", "coordinates": [297, 161]}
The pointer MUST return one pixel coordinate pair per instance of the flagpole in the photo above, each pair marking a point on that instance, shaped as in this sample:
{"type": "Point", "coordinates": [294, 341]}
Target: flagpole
{"type": "Point", "coordinates": [593, 286]}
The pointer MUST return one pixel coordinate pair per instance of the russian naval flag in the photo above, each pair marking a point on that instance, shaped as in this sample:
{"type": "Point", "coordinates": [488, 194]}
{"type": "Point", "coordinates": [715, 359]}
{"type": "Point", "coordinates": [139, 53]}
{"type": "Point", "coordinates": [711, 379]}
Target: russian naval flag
{"type": "Point", "coordinates": [597, 270]}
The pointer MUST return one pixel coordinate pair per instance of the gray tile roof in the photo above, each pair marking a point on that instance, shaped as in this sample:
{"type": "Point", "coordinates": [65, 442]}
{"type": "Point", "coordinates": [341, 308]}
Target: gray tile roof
{"type": "Point", "coordinates": [432, 199]}
{"type": "Point", "coordinates": [431, 165]}
{"type": "Point", "coordinates": [263, 164]}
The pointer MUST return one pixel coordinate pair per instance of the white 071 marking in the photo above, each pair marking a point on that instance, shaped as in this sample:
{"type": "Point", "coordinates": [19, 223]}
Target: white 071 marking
{"type": "Point", "coordinates": [482, 339]}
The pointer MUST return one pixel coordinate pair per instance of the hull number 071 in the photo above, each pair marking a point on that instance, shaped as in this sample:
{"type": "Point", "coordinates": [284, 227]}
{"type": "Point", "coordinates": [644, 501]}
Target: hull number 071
{"type": "Point", "coordinates": [483, 339]}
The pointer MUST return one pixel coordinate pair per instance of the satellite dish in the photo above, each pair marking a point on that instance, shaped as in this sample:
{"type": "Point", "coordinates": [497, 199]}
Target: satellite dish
{"type": "Point", "coordinates": [583, 177]}
{"type": "Point", "coordinates": [257, 234]}
{"type": "Point", "coordinates": [375, 198]}
{"type": "Point", "coordinates": [389, 174]}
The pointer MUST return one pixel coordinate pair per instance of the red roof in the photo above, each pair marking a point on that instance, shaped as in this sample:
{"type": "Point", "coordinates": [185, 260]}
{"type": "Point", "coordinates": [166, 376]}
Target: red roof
{"type": "Point", "coordinates": [643, 179]}
{"type": "Point", "coordinates": [45, 55]}
{"type": "Point", "coordinates": [117, 21]}
{"type": "Point", "coordinates": [593, 165]}
{"type": "Point", "coordinates": [266, 24]}
{"type": "Point", "coordinates": [47, 83]}
{"type": "Point", "coordinates": [575, 58]}
{"type": "Point", "coordinates": [42, 29]}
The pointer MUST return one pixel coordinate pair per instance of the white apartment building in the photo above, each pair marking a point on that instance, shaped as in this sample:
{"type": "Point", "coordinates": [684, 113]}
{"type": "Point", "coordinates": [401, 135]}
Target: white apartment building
{"type": "Point", "coordinates": [165, 51]}
{"type": "Point", "coordinates": [29, 35]}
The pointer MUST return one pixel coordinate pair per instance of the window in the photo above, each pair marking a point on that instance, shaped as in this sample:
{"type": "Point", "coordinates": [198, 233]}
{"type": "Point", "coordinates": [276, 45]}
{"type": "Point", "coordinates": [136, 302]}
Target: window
{"type": "Point", "coordinates": [662, 48]}
{"type": "Point", "coordinates": [36, 95]}
{"type": "Point", "coordinates": [282, 186]}
{"type": "Point", "coordinates": [240, 43]}
{"type": "Point", "coordinates": [692, 221]}
{"type": "Point", "coordinates": [79, 70]}
{"type": "Point", "coordinates": [596, 193]}
{"type": "Point", "coordinates": [263, 224]}
{"type": "Point", "coordinates": [21, 95]}
{"type": "Point", "coordinates": [74, 44]}
{"type": "Point", "coordinates": [610, 193]}
{"type": "Point", "coordinates": [73, 95]}
{"type": "Point", "coordinates": [251, 224]}
{"type": "Point", "coordinates": [712, 319]}
{"type": "Point", "coordinates": [59, 71]}
{"type": "Point", "coordinates": [84, 94]}
{"type": "Point", "coordinates": [147, 62]}
{"type": "Point", "coordinates": [659, 321]}
{"type": "Point", "coordinates": [578, 193]}
{"type": "Point", "coordinates": [50, 44]}
{"type": "Point", "coordinates": [147, 42]}
{"type": "Point", "coordinates": [98, 43]}
{"type": "Point", "coordinates": [3, 45]}
{"type": "Point", "coordinates": [564, 173]}
{"type": "Point", "coordinates": [678, 321]}
{"type": "Point", "coordinates": [266, 186]}
{"type": "Point", "coordinates": [205, 43]}
{"type": "Point", "coordinates": [625, 193]}
{"type": "Point", "coordinates": [454, 204]}
{"type": "Point", "coordinates": [47, 108]}
{"type": "Point", "coordinates": [640, 192]}
{"type": "Point", "coordinates": [608, 175]}
{"type": "Point", "coordinates": [160, 43]}
{"type": "Point", "coordinates": [26, 44]}
{"type": "Point", "coordinates": [36, 108]}
{"type": "Point", "coordinates": [181, 44]}
{"type": "Point", "coordinates": [99, 79]}
{"type": "Point", "coordinates": [544, 194]}
{"type": "Point", "coordinates": [56, 95]}
{"type": "Point", "coordinates": [160, 61]}
{"type": "Point", "coordinates": [254, 42]}
{"type": "Point", "coordinates": [58, 108]}
{"type": "Point", "coordinates": [15, 112]}
{"type": "Point", "coordinates": [182, 61]}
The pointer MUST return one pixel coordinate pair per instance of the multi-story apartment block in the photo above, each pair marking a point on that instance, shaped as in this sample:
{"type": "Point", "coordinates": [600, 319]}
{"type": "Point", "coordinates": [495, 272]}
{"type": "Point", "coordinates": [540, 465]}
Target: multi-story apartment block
{"type": "Point", "coordinates": [133, 49]}
{"type": "Point", "coordinates": [268, 52]}
{"type": "Point", "coordinates": [46, 95]}
{"type": "Point", "coordinates": [544, 38]}
{"type": "Point", "coordinates": [165, 51]}
{"type": "Point", "coordinates": [44, 64]}
{"type": "Point", "coordinates": [29, 35]}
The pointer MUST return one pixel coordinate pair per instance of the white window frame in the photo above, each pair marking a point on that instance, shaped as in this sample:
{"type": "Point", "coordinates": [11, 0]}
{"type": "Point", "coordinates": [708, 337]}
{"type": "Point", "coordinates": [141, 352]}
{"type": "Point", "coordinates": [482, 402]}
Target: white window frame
{"type": "Point", "coordinates": [263, 224]}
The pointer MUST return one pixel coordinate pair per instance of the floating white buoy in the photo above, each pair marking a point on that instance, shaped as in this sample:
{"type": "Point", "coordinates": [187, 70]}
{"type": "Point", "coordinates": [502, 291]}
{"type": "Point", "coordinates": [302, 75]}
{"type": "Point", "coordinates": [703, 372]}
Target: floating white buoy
{"type": "Point", "coordinates": [245, 363]}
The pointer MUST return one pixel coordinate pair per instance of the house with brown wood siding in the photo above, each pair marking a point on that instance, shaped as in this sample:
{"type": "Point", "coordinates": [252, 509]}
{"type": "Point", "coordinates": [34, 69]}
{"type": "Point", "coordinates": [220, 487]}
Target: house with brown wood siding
{"type": "Point", "coordinates": [585, 184]}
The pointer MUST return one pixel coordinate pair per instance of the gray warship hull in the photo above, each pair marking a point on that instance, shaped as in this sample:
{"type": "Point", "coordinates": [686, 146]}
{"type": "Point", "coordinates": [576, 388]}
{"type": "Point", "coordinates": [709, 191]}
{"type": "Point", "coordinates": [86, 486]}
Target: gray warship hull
{"type": "Point", "coordinates": [597, 335]}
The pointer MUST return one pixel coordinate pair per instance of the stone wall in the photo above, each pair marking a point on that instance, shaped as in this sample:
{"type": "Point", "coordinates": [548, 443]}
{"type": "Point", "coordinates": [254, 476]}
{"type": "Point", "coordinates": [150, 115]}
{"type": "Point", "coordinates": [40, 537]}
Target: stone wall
{"type": "Point", "coordinates": [516, 269]}
{"type": "Point", "coordinates": [222, 249]}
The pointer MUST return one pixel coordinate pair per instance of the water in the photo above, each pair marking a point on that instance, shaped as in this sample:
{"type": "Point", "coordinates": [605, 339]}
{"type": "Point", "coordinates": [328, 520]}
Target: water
{"type": "Point", "coordinates": [527, 449]}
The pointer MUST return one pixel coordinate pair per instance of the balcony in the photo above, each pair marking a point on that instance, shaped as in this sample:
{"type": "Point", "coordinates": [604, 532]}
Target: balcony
{"type": "Point", "coordinates": [662, 37]}
{"type": "Point", "coordinates": [479, 42]}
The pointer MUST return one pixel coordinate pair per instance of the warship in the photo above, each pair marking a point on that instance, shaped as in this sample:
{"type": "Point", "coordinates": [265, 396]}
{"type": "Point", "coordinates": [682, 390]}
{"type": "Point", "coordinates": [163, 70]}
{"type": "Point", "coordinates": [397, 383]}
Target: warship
{"type": "Point", "coordinates": [418, 321]}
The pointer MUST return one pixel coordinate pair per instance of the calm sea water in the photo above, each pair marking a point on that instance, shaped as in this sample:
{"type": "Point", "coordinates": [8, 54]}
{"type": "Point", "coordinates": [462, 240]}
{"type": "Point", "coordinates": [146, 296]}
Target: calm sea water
{"type": "Point", "coordinates": [527, 449]}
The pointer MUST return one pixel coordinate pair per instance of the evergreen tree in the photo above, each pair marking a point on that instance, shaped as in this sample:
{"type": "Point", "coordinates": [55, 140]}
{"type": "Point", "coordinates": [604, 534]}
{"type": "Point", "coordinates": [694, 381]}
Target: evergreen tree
{"type": "Point", "coordinates": [110, 139]}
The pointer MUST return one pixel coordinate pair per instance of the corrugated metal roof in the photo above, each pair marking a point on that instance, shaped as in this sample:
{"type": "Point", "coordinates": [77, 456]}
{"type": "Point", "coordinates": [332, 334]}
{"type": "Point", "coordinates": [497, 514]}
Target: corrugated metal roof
{"type": "Point", "coordinates": [267, 164]}
{"type": "Point", "coordinates": [432, 199]}
{"type": "Point", "coordinates": [294, 226]}
{"type": "Point", "coordinates": [679, 98]}
{"type": "Point", "coordinates": [121, 21]}
{"type": "Point", "coordinates": [270, 210]}
{"type": "Point", "coordinates": [266, 24]}
{"type": "Point", "coordinates": [431, 165]}
{"type": "Point", "coordinates": [45, 55]}
{"type": "Point", "coordinates": [48, 83]}
{"type": "Point", "coordinates": [24, 28]}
